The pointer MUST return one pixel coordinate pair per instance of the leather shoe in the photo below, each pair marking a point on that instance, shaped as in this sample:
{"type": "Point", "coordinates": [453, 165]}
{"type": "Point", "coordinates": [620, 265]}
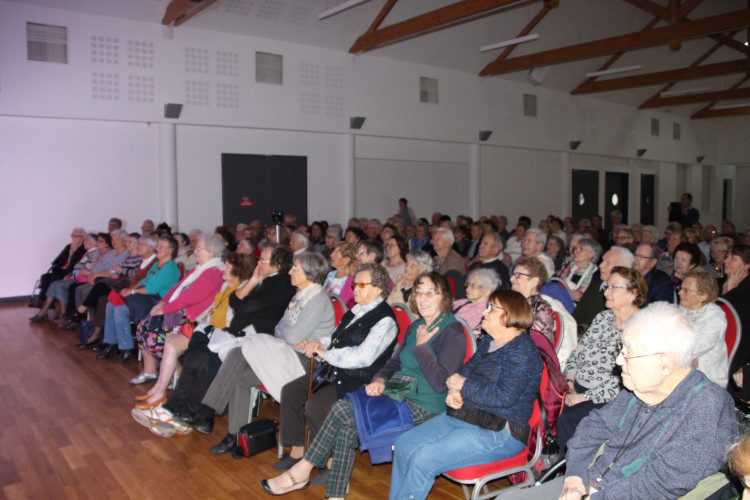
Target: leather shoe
{"type": "Point", "coordinates": [286, 463]}
{"type": "Point", "coordinates": [107, 351]}
{"type": "Point", "coordinates": [202, 425]}
{"type": "Point", "coordinates": [99, 346]}
{"type": "Point", "coordinates": [226, 446]}
{"type": "Point", "coordinates": [90, 345]}
{"type": "Point", "coordinates": [145, 405]}
{"type": "Point", "coordinates": [125, 355]}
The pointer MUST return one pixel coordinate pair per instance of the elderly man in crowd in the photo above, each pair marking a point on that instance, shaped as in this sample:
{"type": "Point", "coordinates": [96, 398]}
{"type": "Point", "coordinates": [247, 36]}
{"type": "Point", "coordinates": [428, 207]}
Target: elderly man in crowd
{"type": "Point", "coordinates": [489, 255]}
{"type": "Point", "coordinates": [659, 283]}
{"type": "Point", "coordinates": [710, 233]}
{"type": "Point", "coordinates": [592, 302]}
{"type": "Point", "coordinates": [446, 259]}
{"type": "Point", "coordinates": [662, 435]}
{"type": "Point", "coordinates": [147, 227]}
{"type": "Point", "coordinates": [533, 246]}
{"type": "Point", "coordinates": [299, 242]}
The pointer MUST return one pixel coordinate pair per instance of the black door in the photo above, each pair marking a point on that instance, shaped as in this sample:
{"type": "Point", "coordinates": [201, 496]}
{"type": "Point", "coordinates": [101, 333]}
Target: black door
{"type": "Point", "coordinates": [615, 195]}
{"type": "Point", "coordinates": [252, 186]}
{"type": "Point", "coordinates": [648, 182]}
{"type": "Point", "coordinates": [585, 194]}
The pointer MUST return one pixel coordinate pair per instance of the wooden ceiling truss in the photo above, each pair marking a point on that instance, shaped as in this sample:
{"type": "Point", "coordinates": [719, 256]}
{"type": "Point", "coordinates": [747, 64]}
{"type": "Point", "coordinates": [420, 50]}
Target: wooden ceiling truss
{"type": "Point", "coordinates": [721, 28]}
{"type": "Point", "coordinates": [674, 27]}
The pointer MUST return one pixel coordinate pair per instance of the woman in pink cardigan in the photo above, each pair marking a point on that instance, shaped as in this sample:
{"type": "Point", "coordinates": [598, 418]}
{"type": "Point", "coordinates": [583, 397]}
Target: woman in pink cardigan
{"type": "Point", "coordinates": [480, 283]}
{"type": "Point", "coordinates": [189, 300]}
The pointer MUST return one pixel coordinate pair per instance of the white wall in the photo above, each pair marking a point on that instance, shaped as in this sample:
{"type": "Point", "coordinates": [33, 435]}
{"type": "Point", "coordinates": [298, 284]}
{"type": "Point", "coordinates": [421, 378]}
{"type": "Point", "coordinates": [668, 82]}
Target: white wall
{"type": "Point", "coordinates": [58, 174]}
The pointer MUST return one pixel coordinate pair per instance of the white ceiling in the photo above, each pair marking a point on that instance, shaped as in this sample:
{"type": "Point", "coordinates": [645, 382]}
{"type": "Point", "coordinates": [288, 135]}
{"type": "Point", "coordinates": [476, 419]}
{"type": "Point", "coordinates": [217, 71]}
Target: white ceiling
{"type": "Point", "coordinates": [457, 47]}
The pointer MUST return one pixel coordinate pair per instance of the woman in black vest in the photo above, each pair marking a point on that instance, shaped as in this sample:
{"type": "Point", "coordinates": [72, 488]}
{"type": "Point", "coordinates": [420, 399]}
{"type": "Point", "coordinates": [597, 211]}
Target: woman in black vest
{"type": "Point", "coordinates": [355, 351]}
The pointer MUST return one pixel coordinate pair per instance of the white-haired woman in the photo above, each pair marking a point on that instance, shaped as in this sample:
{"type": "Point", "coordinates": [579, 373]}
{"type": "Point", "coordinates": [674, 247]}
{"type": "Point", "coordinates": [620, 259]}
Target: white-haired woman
{"type": "Point", "coordinates": [480, 283]}
{"type": "Point", "coordinates": [578, 274]}
{"type": "Point", "coordinates": [417, 262]}
{"type": "Point", "coordinates": [188, 301]}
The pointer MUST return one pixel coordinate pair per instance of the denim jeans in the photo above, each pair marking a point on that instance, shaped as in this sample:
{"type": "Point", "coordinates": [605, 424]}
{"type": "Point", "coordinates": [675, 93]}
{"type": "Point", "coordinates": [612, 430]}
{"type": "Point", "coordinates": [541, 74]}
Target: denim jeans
{"type": "Point", "coordinates": [439, 445]}
{"type": "Point", "coordinates": [117, 326]}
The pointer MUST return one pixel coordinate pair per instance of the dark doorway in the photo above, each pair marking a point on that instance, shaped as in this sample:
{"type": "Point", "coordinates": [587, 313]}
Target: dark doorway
{"type": "Point", "coordinates": [615, 196]}
{"type": "Point", "coordinates": [252, 186]}
{"type": "Point", "coordinates": [585, 194]}
{"type": "Point", "coordinates": [648, 182]}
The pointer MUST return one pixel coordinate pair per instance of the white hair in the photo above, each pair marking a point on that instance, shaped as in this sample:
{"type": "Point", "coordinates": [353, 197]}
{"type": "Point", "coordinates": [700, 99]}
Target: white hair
{"type": "Point", "coordinates": [626, 256]}
{"type": "Point", "coordinates": [447, 233]}
{"type": "Point", "coordinates": [662, 327]}
{"type": "Point", "coordinates": [538, 233]}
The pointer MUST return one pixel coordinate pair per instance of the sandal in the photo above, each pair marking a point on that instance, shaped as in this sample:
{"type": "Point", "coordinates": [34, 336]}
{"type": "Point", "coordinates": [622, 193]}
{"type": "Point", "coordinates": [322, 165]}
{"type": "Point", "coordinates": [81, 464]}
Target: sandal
{"type": "Point", "coordinates": [266, 485]}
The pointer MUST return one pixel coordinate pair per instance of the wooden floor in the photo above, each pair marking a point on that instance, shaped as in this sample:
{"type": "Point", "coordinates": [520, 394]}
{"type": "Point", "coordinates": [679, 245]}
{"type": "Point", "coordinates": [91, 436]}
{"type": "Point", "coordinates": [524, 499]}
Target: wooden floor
{"type": "Point", "coordinates": [66, 432]}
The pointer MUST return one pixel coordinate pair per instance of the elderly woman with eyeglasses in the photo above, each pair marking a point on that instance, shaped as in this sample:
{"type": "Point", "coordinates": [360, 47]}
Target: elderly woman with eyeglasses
{"type": "Point", "coordinates": [590, 369]}
{"type": "Point", "coordinates": [480, 283]}
{"type": "Point", "coordinates": [433, 348]}
{"type": "Point", "coordinates": [417, 262]}
{"type": "Point", "coordinates": [697, 296]}
{"type": "Point", "coordinates": [578, 274]}
{"type": "Point", "coordinates": [529, 274]}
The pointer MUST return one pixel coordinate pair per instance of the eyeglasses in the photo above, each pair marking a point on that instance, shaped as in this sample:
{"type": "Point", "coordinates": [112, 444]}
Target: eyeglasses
{"type": "Point", "coordinates": [361, 250]}
{"type": "Point", "coordinates": [687, 290]}
{"type": "Point", "coordinates": [359, 284]}
{"type": "Point", "coordinates": [713, 250]}
{"type": "Point", "coordinates": [261, 261]}
{"type": "Point", "coordinates": [615, 287]}
{"type": "Point", "coordinates": [643, 257]}
{"type": "Point", "coordinates": [491, 306]}
{"type": "Point", "coordinates": [426, 293]}
{"type": "Point", "coordinates": [295, 268]}
{"type": "Point", "coordinates": [472, 285]}
{"type": "Point", "coordinates": [620, 348]}
{"type": "Point", "coordinates": [517, 274]}
{"type": "Point", "coordinates": [199, 248]}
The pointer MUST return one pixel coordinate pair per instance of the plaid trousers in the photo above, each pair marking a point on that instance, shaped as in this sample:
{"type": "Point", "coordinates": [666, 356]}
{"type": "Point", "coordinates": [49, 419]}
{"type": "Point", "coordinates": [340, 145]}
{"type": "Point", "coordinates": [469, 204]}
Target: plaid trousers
{"type": "Point", "coordinates": [338, 438]}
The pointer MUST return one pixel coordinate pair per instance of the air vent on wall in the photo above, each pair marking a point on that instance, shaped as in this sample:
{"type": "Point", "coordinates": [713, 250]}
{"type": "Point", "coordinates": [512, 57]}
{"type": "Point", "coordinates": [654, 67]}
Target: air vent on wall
{"type": "Point", "coordinates": [47, 43]}
{"type": "Point", "coordinates": [268, 68]}
{"type": "Point", "coordinates": [428, 90]}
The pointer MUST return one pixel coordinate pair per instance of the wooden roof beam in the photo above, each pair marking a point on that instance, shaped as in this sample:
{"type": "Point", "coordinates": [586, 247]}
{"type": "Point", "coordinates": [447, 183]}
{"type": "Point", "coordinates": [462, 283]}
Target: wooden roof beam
{"type": "Point", "coordinates": [179, 11]}
{"type": "Point", "coordinates": [736, 85]}
{"type": "Point", "coordinates": [718, 113]}
{"type": "Point", "coordinates": [430, 21]}
{"type": "Point", "coordinates": [682, 30]}
{"type": "Point", "coordinates": [719, 95]}
{"type": "Point", "coordinates": [629, 82]}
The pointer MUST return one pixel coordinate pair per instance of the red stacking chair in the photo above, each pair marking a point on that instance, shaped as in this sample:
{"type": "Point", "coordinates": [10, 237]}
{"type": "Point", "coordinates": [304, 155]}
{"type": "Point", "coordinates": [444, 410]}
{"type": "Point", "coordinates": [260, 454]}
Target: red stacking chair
{"type": "Point", "coordinates": [733, 333]}
{"type": "Point", "coordinates": [404, 318]}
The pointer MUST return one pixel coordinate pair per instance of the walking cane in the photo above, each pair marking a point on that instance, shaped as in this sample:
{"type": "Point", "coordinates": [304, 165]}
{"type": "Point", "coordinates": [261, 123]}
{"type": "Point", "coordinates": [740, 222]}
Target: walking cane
{"type": "Point", "coordinates": [309, 395]}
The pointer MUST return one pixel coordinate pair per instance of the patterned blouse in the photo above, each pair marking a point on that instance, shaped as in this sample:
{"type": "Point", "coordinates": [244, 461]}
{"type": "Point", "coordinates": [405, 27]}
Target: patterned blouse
{"type": "Point", "coordinates": [593, 360]}
{"type": "Point", "coordinates": [544, 319]}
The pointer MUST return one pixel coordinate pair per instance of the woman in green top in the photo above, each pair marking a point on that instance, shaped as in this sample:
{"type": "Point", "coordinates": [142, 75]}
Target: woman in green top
{"type": "Point", "coordinates": [433, 348]}
{"type": "Point", "coordinates": [140, 298]}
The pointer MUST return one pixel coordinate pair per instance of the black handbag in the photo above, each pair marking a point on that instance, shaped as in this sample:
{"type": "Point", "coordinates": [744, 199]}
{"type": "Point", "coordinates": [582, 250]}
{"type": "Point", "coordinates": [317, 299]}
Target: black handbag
{"type": "Point", "coordinates": [257, 437]}
{"type": "Point", "coordinates": [322, 376]}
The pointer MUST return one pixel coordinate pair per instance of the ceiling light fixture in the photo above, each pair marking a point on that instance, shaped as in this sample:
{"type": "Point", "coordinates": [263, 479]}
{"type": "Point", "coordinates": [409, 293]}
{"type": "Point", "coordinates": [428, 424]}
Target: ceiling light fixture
{"type": "Point", "coordinates": [512, 41]}
{"type": "Point", "coordinates": [350, 4]}
{"type": "Point", "coordinates": [673, 93]}
{"type": "Point", "coordinates": [613, 71]}
{"type": "Point", "coordinates": [732, 106]}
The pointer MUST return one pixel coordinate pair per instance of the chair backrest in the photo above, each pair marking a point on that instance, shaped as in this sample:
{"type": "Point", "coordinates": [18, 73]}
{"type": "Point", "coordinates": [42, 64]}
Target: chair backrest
{"type": "Point", "coordinates": [404, 318]}
{"type": "Point", "coordinates": [181, 267]}
{"type": "Point", "coordinates": [339, 308]}
{"type": "Point", "coordinates": [451, 285]}
{"type": "Point", "coordinates": [733, 333]}
{"type": "Point", "coordinates": [560, 282]}
{"type": "Point", "coordinates": [471, 343]}
{"type": "Point", "coordinates": [558, 329]}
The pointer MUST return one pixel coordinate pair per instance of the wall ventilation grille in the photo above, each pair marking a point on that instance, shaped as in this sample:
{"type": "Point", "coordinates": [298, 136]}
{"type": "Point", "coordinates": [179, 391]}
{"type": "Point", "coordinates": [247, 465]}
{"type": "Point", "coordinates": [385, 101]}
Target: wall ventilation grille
{"type": "Point", "coordinates": [268, 68]}
{"type": "Point", "coordinates": [47, 43]}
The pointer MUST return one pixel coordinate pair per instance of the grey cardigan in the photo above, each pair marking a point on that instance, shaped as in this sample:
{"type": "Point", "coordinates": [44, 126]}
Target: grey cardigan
{"type": "Point", "coordinates": [315, 321]}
